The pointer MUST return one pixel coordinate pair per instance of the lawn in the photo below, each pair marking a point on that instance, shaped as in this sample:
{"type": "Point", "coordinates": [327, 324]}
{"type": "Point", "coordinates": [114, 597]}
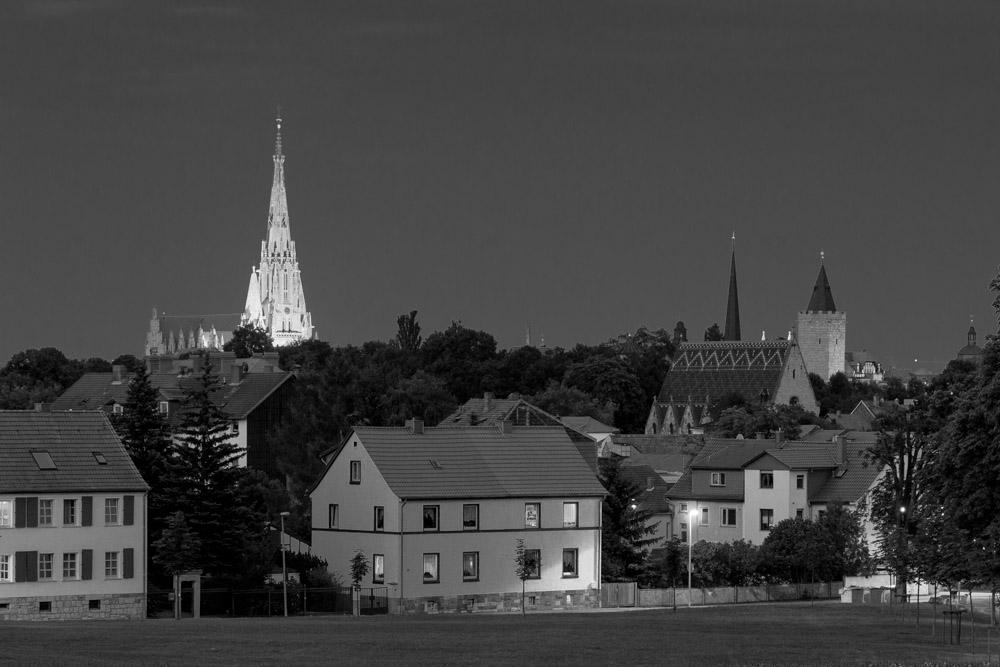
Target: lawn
{"type": "Point", "coordinates": [760, 634]}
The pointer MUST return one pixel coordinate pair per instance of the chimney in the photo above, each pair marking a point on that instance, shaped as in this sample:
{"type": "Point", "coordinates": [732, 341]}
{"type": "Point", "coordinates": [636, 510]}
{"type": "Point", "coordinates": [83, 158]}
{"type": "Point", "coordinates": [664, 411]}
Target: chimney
{"type": "Point", "coordinates": [780, 436]}
{"type": "Point", "coordinates": [236, 374]}
{"type": "Point", "coordinates": [415, 425]}
{"type": "Point", "coordinates": [649, 483]}
{"type": "Point", "coordinates": [841, 446]}
{"type": "Point", "coordinates": [119, 371]}
{"type": "Point", "coordinates": [487, 400]}
{"type": "Point", "coordinates": [506, 426]}
{"type": "Point", "coordinates": [43, 407]}
{"type": "Point", "coordinates": [760, 435]}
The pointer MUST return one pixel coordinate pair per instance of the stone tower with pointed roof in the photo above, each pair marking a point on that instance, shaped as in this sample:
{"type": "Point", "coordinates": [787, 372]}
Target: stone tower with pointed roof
{"type": "Point", "coordinates": [275, 300]}
{"type": "Point", "coordinates": [732, 332]}
{"type": "Point", "coordinates": [821, 330]}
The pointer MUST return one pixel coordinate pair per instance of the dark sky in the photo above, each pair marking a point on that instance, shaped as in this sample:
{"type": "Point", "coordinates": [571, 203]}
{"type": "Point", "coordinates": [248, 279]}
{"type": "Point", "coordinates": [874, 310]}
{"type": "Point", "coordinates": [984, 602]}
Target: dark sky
{"type": "Point", "coordinates": [574, 166]}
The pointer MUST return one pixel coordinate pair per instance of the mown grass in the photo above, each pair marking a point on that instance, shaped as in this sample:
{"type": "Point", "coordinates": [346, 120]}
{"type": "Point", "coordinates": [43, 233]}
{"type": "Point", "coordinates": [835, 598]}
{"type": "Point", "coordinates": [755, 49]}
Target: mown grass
{"type": "Point", "coordinates": [775, 634]}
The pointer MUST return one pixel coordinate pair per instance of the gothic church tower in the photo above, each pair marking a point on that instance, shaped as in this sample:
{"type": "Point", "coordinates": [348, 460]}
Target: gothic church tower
{"type": "Point", "coordinates": [732, 332]}
{"type": "Point", "coordinates": [821, 330]}
{"type": "Point", "coordinates": [275, 300]}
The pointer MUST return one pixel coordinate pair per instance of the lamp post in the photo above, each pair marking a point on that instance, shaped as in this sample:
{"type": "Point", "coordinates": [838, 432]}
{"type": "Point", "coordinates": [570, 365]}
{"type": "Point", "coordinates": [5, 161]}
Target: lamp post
{"type": "Point", "coordinates": [284, 568]}
{"type": "Point", "coordinates": [691, 517]}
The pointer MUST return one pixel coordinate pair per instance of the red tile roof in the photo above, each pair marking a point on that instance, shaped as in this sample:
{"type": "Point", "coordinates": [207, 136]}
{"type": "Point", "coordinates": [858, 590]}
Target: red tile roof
{"type": "Point", "coordinates": [70, 438]}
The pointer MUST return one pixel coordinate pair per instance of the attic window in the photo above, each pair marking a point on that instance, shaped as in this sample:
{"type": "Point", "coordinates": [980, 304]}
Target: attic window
{"type": "Point", "coordinates": [43, 460]}
{"type": "Point", "coordinates": [99, 457]}
{"type": "Point", "coordinates": [435, 465]}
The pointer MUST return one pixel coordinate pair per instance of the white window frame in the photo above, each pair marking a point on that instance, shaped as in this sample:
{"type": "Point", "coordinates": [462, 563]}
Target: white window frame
{"type": "Point", "coordinates": [51, 566]}
{"type": "Point", "coordinates": [571, 515]}
{"type": "Point", "coordinates": [6, 513]}
{"type": "Point", "coordinates": [164, 407]}
{"type": "Point", "coordinates": [466, 523]}
{"type": "Point", "coordinates": [432, 567]}
{"type": "Point", "coordinates": [731, 511]}
{"type": "Point", "coordinates": [48, 503]}
{"type": "Point", "coordinates": [532, 516]}
{"type": "Point", "coordinates": [71, 559]}
{"type": "Point", "coordinates": [6, 567]}
{"type": "Point", "coordinates": [355, 472]}
{"type": "Point", "coordinates": [718, 479]}
{"type": "Point", "coordinates": [114, 519]}
{"type": "Point", "coordinates": [112, 565]}
{"type": "Point", "coordinates": [704, 516]}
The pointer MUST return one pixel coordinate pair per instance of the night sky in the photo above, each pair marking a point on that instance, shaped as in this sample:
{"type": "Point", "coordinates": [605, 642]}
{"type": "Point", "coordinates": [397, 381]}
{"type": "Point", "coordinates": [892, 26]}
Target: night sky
{"type": "Point", "coordinates": [579, 166]}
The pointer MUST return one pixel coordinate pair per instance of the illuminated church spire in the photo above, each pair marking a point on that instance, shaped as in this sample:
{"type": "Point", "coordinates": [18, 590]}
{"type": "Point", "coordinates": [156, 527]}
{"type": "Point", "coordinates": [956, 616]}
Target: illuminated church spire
{"type": "Point", "coordinates": [275, 299]}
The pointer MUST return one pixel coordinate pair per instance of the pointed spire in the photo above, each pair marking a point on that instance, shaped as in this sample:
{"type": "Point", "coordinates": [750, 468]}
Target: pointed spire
{"type": "Point", "coordinates": [277, 141]}
{"type": "Point", "coordinates": [822, 296]}
{"type": "Point", "coordinates": [733, 307]}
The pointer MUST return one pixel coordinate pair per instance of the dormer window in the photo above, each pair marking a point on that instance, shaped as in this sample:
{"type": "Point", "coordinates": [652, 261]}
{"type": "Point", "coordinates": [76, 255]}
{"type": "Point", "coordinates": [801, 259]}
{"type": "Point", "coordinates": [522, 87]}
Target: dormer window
{"type": "Point", "coordinates": [118, 408]}
{"type": "Point", "coordinates": [164, 407]}
{"type": "Point", "coordinates": [718, 479]}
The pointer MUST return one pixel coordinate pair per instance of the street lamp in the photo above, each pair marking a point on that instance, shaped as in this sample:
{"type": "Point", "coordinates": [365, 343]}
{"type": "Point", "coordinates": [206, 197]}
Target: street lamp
{"type": "Point", "coordinates": [284, 568]}
{"type": "Point", "coordinates": [691, 517]}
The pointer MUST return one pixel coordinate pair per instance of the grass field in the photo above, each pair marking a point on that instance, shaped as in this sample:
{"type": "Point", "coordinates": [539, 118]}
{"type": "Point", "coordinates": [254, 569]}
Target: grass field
{"type": "Point", "coordinates": [761, 634]}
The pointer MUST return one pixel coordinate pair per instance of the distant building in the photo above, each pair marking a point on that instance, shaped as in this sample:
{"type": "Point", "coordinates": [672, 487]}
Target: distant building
{"type": "Point", "coordinates": [276, 301]}
{"type": "Point", "coordinates": [72, 520]}
{"type": "Point", "coordinates": [438, 512]}
{"type": "Point", "coordinates": [821, 331]}
{"type": "Point", "coordinates": [971, 352]}
{"type": "Point", "coordinates": [863, 367]}
{"type": "Point", "coordinates": [176, 334]}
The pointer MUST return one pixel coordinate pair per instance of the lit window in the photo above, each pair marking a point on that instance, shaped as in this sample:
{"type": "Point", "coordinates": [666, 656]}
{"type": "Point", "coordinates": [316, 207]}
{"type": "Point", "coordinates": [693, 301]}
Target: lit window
{"type": "Point", "coordinates": [111, 564]}
{"type": "Point", "coordinates": [111, 511]}
{"type": "Point", "coordinates": [45, 512]}
{"type": "Point", "coordinates": [431, 573]}
{"type": "Point", "coordinates": [334, 518]}
{"type": "Point", "coordinates": [571, 513]}
{"type": "Point", "coordinates": [69, 566]}
{"type": "Point", "coordinates": [766, 519]}
{"type": "Point", "coordinates": [531, 515]}
{"type": "Point", "coordinates": [470, 517]}
{"type": "Point", "coordinates": [718, 479]}
{"type": "Point", "coordinates": [766, 480]}
{"type": "Point", "coordinates": [431, 517]}
{"type": "Point", "coordinates": [45, 566]}
{"type": "Point", "coordinates": [379, 517]}
{"type": "Point", "coordinates": [470, 566]}
{"type": "Point", "coordinates": [355, 472]}
{"type": "Point", "coordinates": [6, 513]}
{"type": "Point", "coordinates": [570, 565]}
{"type": "Point", "coordinates": [378, 568]}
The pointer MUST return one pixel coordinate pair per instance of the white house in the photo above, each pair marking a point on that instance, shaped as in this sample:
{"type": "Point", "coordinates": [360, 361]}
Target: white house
{"type": "Point", "coordinates": [72, 519]}
{"type": "Point", "coordinates": [438, 513]}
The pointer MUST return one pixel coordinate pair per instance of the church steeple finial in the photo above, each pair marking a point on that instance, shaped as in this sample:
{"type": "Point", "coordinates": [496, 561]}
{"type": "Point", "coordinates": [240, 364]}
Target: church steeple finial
{"type": "Point", "coordinates": [733, 306]}
{"type": "Point", "coordinates": [277, 140]}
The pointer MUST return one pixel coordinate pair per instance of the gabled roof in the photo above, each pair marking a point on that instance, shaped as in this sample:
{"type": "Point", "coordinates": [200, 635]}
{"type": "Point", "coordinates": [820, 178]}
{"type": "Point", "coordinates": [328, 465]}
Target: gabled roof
{"type": "Point", "coordinates": [240, 399]}
{"type": "Point", "coordinates": [800, 457]}
{"type": "Point", "coordinates": [817, 434]}
{"type": "Point", "coordinates": [479, 462]}
{"type": "Point", "coordinates": [730, 453]}
{"type": "Point", "coordinates": [714, 369]}
{"type": "Point", "coordinates": [93, 391]}
{"type": "Point", "coordinates": [70, 439]}
{"type": "Point", "coordinates": [586, 424]}
{"type": "Point", "coordinates": [851, 480]}
{"type": "Point", "coordinates": [652, 488]}
{"type": "Point", "coordinates": [489, 411]}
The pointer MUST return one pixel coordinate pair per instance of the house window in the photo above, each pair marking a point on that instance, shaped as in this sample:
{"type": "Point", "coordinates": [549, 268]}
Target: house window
{"type": "Point", "coordinates": [431, 573]}
{"type": "Point", "coordinates": [684, 532]}
{"type": "Point", "coordinates": [533, 560]}
{"type": "Point", "coordinates": [5, 573]}
{"type": "Point", "coordinates": [766, 519]}
{"type": "Point", "coordinates": [470, 517]}
{"type": "Point", "coordinates": [45, 606]}
{"type": "Point", "coordinates": [728, 516]}
{"type": "Point", "coordinates": [69, 512]}
{"type": "Point", "coordinates": [6, 513]}
{"type": "Point", "coordinates": [334, 516]}
{"type": "Point", "coordinates": [378, 568]}
{"type": "Point", "coordinates": [821, 514]}
{"type": "Point", "coordinates": [684, 508]}
{"type": "Point", "coordinates": [118, 409]}
{"type": "Point", "coordinates": [571, 512]}
{"type": "Point", "coordinates": [93, 605]}
{"type": "Point", "coordinates": [355, 472]}
{"type": "Point", "coordinates": [431, 517]}
{"type": "Point", "coordinates": [379, 517]}
{"type": "Point", "coordinates": [704, 516]}
{"type": "Point", "coordinates": [164, 407]}
{"type": "Point", "coordinates": [69, 566]}
{"type": "Point", "coordinates": [470, 566]}
{"type": "Point", "coordinates": [111, 564]}
{"type": "Point", "coordinates": [718, 479]}
{"type": "Point", "coordinates": [111, 511]}
{"type": "Point", "coordinates": [45, 566]}
{"type": "Point", "coordinates": [531, 515]}
{"type": "Point", "coordinates": [235, 428]}
{"type": "Point", "coordinates": [766, 480]}
{"type": "Point", "coordinates": [570, 565]}
{"type": "Point", "coordinates": [45, 512]}
{"type": "Point", "coordinates": [800, 481]}
{"type": "Point", "coordinates": [798, 513]}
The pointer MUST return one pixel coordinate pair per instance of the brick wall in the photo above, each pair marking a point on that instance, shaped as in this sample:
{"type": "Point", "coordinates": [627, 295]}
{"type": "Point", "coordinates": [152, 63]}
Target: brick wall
{"type": "Point", "coordinates": [503, 602]}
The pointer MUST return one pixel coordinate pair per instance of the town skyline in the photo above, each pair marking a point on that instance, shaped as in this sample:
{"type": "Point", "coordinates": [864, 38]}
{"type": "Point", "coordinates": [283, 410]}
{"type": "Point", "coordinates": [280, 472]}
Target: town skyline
{"type": "Point", "coordinates": [579, 174]}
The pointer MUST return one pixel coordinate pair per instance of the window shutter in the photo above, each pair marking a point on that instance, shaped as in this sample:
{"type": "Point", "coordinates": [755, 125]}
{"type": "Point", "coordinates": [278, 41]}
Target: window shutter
{"type": "Point", "coordinates": [128, 563]}
{"type": "Point", "coordinates": [87, 513]}
{"type": "Point", "coordinates": [88, 564]}
{"type": "Point", "coordinates": [31, 566]}
{"type": "Point", "coordinates": [20, 512]}
{"type": "Point", "coordinates": [32, 514]}
{"type": "Point", "coordinates": [128, 513]}
{"type": "Point", "coordinates": [20, 566]}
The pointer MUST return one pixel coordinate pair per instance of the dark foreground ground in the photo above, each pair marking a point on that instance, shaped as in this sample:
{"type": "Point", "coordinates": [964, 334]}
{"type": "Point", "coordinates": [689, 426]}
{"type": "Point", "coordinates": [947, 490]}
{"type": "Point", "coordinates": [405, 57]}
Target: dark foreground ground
{"type": "Point", "coordinates": [772, 634]}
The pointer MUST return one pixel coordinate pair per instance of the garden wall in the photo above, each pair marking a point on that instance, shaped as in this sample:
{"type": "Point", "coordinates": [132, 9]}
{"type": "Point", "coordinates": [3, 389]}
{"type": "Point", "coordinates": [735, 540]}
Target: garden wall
{"type": "Point", "coordinates": [668, 597]}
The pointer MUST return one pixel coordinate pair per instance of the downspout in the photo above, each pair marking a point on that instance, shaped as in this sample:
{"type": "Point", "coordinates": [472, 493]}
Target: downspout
{"type": "Point", "coordinates": [145, 548]}
{"type": "Point", "coordinates": [402, 525]}
{"type": "Point", "coordinates": [600, 549]}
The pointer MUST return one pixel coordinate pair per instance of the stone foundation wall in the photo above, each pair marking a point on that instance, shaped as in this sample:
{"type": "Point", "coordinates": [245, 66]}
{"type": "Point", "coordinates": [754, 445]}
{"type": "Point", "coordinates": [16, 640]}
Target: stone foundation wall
{"type": "Point", "coordinates": [74, 608]}
{"type": "Point", "coordinates": [502, 602]}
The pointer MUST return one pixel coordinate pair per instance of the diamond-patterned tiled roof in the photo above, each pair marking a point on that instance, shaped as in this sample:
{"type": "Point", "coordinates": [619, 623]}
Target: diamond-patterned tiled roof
{"type": "Point", "coordinates": [70, 439]}
{"type": "Point", "coordinates": [714, 369]}
{"type": "Point", "coordinates": [479, 462]}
